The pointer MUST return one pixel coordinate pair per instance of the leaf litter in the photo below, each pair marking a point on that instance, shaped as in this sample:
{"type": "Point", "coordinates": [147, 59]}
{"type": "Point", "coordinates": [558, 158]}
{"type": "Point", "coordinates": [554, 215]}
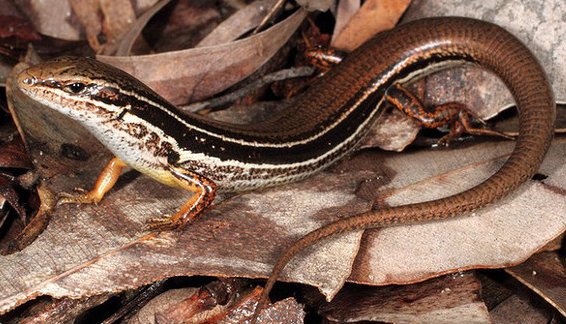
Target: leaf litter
{"type": "Point", "coordinates": [117, 247]}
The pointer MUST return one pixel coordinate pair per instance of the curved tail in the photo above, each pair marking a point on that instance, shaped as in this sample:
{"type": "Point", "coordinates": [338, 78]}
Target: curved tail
{"type": "Point", "coordinates": [496, 50]}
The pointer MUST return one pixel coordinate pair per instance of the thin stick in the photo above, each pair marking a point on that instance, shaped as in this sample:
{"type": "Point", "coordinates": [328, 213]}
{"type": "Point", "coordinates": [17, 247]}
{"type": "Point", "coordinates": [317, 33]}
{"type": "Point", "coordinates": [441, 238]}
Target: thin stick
{"type": "Point", "coordinates": [266, 79]}
{"type": "Point", "coordinates": [269, 16]}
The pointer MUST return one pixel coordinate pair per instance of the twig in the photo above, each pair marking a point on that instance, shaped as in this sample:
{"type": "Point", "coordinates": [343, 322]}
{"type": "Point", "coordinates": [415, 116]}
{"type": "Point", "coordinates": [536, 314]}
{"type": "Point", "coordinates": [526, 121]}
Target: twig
{"type": "Point", "coordinates": [269, 16]}
{"type": "Point", "coordinates": [266, 79]}
{"type": "Point", "coordinates": [139, 300]}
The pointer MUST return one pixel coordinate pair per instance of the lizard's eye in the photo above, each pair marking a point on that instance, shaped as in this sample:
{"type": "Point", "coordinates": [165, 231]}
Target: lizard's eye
{"type": "Point", "coordinates": [75, 87]}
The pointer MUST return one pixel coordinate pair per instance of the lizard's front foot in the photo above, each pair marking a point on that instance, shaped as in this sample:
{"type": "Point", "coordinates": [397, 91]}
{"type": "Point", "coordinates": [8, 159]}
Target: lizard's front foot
{"type": "Point", "coordinates": [80, 198]}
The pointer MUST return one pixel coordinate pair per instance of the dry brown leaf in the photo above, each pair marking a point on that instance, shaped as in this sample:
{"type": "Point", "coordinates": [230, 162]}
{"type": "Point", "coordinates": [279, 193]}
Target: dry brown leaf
{"type": "Point", "coordinates": [93, 249]}
{"type": "Point", "coordinates": [373, 17]}
{"type": "Point", "coordinates": [51, 18]}
{"type": "Point", "coordinates": [314, 5]}
{"type": "Point", "coordinates": [16, 27]}
{"type": "Point", "coordinates": [88, 13]}
{"type": "Point", "coordinates": [521, 309]}
{"type": "Point", "coordinates": [238, 24]}
{"type": "Point", "coordinates": [393, 132]}
{"type": "Point", "coordinates": [105, 22]}
{"type": "Point", "coordinates": [193, 74]}
{"type": "Point", "coordinates": [545, 275]}
{"type": "Point", "coordinates": [344, 12]}
{"type": "Point", "coordinates": [118, 16]}
{"type": "Point", "coordinates": [56, 18]}
{"type": "Point", "coordinates": [187, 22]}
{"type": "Point", "coordinates": [450, 299]}
{"type": "Point", "coordinates": [14, 155]}
{"type": "Point", "coordinates": [127, 40]}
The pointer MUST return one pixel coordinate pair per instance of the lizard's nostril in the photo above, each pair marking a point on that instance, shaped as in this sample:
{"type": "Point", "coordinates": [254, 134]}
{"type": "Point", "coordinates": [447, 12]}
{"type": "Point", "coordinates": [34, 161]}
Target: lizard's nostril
{"type": "Point", "coordinates": [27, 78]}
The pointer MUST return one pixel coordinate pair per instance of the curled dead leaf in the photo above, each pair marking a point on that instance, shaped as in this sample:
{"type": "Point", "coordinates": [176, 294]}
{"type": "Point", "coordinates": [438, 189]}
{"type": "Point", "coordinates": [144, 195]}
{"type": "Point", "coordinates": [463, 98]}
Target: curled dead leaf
{"type": "Point", "coordinates": [126, 42]}
{"type": "Point", "coordinates": [193, 74]}
{"type": "Point", "coordinates": [373, 17]}
{"type": "Point", "coordinates": [238, 24]}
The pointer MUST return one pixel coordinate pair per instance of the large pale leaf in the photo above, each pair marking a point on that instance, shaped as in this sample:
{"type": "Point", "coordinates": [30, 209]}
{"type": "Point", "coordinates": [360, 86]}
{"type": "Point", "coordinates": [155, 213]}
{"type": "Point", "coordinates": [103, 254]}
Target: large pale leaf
{"type": "Point", "coordinates": [540, 25]}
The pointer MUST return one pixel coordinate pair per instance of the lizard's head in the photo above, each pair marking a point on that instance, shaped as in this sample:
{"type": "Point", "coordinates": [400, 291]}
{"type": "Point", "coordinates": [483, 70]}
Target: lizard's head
{"type": "Point", "coordinates": [66, 84]}
{"type": "Point", "coordinates": [79, 87]}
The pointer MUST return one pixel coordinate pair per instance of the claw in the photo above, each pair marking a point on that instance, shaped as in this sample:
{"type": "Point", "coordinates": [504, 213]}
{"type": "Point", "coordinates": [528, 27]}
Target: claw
{"type": "Point", "coordinates": [161, 224]}
{"type": "Point", "coordinates": [84, 198]}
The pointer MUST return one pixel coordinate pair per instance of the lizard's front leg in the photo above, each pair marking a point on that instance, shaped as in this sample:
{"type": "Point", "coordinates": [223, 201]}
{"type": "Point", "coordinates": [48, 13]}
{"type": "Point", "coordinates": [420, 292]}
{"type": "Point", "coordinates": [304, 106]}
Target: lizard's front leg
{"type": "Point", "coordinates": [106, 180]}
{"type": "Point", "coordinates": [204, 193]}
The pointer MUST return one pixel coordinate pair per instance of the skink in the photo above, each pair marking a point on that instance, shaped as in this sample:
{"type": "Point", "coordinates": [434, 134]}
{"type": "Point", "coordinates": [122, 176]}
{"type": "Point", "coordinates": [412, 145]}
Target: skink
{"type": "Point", "coordinates": [147, 133]}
